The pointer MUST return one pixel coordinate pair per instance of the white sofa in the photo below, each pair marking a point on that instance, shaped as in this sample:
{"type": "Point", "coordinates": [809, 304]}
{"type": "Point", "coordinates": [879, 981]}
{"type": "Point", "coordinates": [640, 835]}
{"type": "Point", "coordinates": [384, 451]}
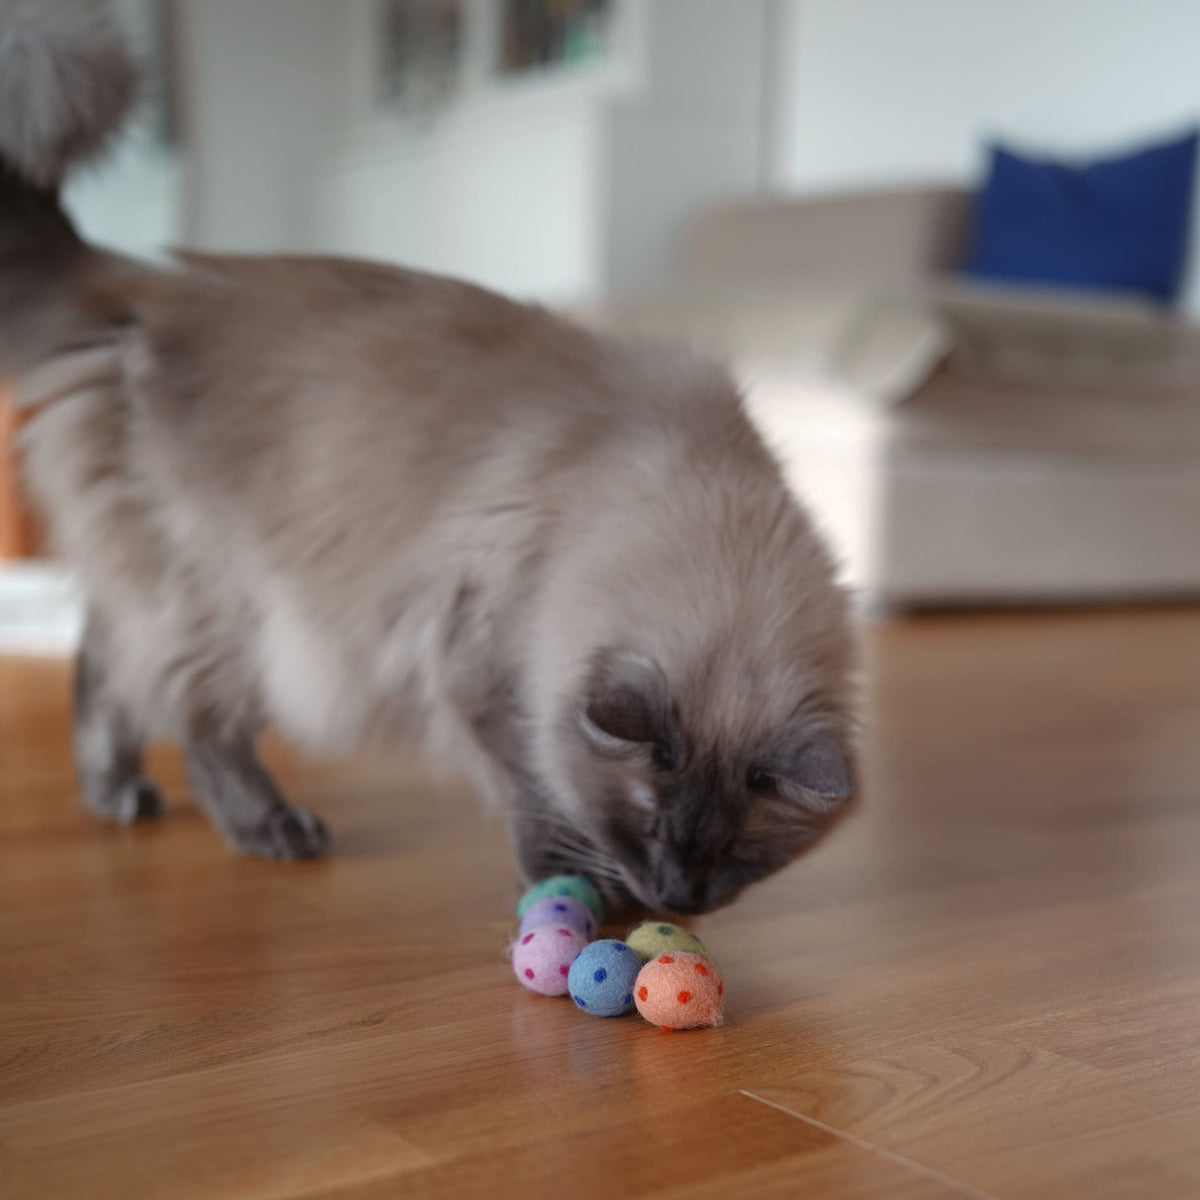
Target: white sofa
{"type": "Point", "coordinates": [961, 445]}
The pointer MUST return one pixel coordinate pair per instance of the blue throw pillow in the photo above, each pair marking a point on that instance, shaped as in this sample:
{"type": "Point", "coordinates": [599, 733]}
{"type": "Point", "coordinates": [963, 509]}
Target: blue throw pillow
{"type": "Point", "coordinates": [1119, 223]}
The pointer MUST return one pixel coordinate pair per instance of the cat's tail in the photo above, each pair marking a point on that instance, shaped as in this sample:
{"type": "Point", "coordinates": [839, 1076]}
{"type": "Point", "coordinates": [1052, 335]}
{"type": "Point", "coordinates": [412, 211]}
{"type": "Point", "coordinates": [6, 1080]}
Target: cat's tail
{"type": "Point", "coordinates": [67, 83]}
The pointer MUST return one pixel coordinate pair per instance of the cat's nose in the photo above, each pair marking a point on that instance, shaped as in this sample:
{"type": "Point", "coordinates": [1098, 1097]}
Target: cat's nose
{"type": "Point", "coordinates": [685, 897]}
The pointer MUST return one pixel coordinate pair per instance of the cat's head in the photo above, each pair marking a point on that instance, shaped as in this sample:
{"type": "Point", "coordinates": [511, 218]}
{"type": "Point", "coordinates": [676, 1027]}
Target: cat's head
{"type": "Point", "coordinates": [689, 816]}
{"type": "Point", "coordinates": [701, 764]}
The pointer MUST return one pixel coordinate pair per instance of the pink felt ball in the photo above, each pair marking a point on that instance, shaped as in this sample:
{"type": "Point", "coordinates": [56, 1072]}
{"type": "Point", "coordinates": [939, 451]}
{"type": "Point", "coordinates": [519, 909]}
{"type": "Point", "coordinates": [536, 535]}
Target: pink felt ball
{"type": "Point", "coordinates": [542, 957]}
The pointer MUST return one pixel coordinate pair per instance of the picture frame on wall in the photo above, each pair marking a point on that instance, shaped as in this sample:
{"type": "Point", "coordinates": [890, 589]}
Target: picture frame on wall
{"type": "Point", "coordinates": [544, 34]}
{"type": "Point", "coordinates": [420, 55]}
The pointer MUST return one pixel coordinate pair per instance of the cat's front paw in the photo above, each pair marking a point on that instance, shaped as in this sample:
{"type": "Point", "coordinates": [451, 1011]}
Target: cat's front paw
{"type": "Point", "coordinates": [137, 799]}
{"type": "Point", "coordinates": [285, 834]}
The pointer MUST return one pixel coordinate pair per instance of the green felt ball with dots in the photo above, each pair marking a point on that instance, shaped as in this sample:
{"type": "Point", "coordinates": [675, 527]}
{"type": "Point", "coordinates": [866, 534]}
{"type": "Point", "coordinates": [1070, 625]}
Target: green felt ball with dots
{"type": "Point", "coordinates": [564, 885]}
{"type": "Point", "coordinates": [659, 937]}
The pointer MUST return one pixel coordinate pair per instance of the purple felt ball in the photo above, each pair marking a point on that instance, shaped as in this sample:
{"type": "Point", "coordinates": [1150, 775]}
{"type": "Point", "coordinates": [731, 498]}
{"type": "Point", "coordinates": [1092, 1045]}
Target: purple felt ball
{"type": "Point", "coordinates": [542, 957]}
{"type": "Point", "coordinates": [563, 910]}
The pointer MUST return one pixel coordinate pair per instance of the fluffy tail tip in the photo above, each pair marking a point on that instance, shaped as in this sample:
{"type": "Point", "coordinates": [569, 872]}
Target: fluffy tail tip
{"type": "Point", "coordinates": [67, 82]}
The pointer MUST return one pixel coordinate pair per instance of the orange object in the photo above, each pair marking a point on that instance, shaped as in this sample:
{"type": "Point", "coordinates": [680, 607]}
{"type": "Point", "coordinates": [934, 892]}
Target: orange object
{"type": "Point", "coordinates": [680, 990]}
{"type": "Point", "coordinates": [19, 537]}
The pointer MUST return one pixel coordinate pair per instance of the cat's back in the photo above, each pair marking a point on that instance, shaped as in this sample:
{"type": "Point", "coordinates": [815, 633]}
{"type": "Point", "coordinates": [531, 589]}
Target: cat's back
{"type": "Point", "coordinates": [286, 366]}
{"type": "Point", "coordinates": [293, 402]}
{"type": "Point", "coordinates": [257, 329]}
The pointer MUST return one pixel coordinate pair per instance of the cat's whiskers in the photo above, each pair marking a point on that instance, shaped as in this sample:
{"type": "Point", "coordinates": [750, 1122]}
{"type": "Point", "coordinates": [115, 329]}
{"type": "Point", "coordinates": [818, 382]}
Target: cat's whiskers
{"type": "Point", "coordinates": [572, 849]}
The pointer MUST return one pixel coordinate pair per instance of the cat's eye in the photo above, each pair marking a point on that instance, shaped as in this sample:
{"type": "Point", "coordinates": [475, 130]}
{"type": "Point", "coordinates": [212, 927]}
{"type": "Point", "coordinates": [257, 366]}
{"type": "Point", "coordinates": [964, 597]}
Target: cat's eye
{"type": "Point", "coordinates": [759, 781]}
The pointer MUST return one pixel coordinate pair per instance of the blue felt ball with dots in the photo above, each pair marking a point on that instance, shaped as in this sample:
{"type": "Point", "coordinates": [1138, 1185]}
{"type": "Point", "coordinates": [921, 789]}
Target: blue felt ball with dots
{"type": "Point", "coordinates": [602, 976]}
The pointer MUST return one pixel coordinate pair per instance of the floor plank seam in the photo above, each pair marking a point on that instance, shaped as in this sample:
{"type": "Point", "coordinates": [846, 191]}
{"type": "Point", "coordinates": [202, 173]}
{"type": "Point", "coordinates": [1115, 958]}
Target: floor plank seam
{"type": "Point", "coordinates": [871, 1147]}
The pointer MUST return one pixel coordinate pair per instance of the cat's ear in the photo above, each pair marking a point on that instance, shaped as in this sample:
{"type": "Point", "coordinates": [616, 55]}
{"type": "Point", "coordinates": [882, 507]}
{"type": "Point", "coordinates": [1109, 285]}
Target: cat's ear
{"type": "Point", "coordinates": [813, 766]}
{"type": "Point", "coordinates": [625, 707]}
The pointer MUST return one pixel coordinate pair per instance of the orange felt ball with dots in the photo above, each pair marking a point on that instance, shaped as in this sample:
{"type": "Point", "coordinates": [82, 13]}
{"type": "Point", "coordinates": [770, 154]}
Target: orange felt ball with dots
{"type": "Point", "coordinates": [680, 990]}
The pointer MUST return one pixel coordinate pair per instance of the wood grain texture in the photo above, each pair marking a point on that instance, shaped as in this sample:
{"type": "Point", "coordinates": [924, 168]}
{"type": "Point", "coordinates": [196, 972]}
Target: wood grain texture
{"type": "Point", "coordinates": [987, 983]}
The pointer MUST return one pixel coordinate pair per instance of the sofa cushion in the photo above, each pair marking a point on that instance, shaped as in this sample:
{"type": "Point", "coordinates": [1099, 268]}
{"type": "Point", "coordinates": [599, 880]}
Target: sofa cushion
{"type": "Point", "coordinates": [860, 238]}
{"type": "Point", "coordinates": [887, 348]}
{"type": "Point", "coordinates": [1102, 340]}
{"type": "Point", "coordinates": [1119, 223]}
{"type": "Point", "coordinates": [873, 347]}
{"type": "Point", "coordinates": [954, 415]}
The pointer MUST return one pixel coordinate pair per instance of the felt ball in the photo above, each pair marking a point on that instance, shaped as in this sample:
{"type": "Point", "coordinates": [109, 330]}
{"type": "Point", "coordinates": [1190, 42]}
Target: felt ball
{"type": "Point", "coordinates": [661, 937]}
{"type": "Point", "coordinates": [542, 956]}
{"type": "Point", "coordinates": [564, 885]}
{"type": "Point", "coordinates": [563, 910]}
{"type": "Point", "coordinates": [680, 991]}
{"type": "Point", "coordinates": [601, 978]}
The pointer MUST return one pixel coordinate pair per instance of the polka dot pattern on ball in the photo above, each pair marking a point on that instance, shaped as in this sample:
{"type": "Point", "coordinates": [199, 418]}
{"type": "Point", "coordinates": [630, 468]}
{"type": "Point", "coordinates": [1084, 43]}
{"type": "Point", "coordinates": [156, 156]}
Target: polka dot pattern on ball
{"type": "Point", "coordinates": [654, 937]}
{"type": "Point", "coordinates": [564, 885]}
{"type": "Point", "coordinates": [561, 910]}
{"type": "Point", "coordinates": [602, 978]}
{"type": "Point", "coordinates": [681, 991]}
{"type": "Point", "coordinates": [542, 957]}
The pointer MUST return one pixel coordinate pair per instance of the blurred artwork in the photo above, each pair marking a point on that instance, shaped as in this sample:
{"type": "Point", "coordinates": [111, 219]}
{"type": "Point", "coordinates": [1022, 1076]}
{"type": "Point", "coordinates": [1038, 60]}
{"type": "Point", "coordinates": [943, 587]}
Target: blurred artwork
{"type": "Point", "coordinates": [549, 33]}
{"type": "Point", "coordinates": [152, 29]}
{"type": "Point", "coordinates": [159, 61]}
{"type": "Point", "coordinates": [421, 45]}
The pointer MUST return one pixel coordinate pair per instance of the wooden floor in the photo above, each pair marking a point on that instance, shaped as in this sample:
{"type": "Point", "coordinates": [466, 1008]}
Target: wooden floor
{"type": "Point", "coordinates": [987, 983]}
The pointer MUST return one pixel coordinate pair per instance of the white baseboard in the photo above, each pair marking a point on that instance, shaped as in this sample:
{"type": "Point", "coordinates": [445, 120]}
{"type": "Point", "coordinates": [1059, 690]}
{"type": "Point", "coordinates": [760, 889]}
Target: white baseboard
{"type": "Point", "coordinates": [41, 610]}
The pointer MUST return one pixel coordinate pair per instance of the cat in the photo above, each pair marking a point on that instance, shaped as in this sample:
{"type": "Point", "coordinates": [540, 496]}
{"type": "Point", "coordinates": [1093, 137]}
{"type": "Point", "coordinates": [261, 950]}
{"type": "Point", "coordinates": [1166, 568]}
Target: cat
{"type": "Point", "coordinates": [363, 504]}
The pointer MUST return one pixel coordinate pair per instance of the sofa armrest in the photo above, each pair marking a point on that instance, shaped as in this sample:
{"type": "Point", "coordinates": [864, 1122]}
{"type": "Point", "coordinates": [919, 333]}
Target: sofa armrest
{"type": "Point", "coordinates": [870, 237]}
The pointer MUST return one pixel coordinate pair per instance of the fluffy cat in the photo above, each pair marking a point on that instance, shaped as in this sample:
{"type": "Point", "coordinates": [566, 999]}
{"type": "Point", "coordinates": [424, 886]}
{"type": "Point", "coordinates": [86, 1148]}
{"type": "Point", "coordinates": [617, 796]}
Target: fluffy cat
{"type": "Point", "coordinates": [358, 502]}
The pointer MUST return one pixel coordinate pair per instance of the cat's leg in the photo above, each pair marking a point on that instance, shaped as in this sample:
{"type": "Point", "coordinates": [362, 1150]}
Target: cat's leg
{"type": "Point", "coordinates": [107, 742]}
{"type": "Point", "coordinates": [242, 801]}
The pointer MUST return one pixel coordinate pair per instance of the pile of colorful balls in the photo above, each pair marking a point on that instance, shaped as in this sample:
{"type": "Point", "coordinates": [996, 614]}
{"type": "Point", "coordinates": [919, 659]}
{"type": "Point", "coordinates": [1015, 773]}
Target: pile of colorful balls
{"type": "Point", "coordinates": [660, 969]}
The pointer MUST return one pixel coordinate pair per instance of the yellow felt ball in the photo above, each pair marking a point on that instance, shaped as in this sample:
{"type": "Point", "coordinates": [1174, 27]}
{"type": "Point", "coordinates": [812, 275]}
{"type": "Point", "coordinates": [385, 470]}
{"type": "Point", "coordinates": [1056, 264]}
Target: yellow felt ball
{"type": "Point", "coordinates": [655, 937]}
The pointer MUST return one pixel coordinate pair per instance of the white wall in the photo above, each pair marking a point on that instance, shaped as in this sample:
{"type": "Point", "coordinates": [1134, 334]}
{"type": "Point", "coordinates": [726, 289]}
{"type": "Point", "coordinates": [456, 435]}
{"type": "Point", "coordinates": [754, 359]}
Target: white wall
{"type": "Point", "coordinates": [689, 137]}
{"type": "Point", "coordinates": [503, 186]}
{"type": "Point", "coordinates": [896, 90]}
{"type": "Point", "coordinates": [561, 189]}
{"type": "Point", "coordinates": [262, 84]}
{"type": "Point", "coordinates": [501, 192]}
{"type": "Point", "coordinates": [130, 201]}
{"type": "Point", "coordinates": [892, 91]}
{"type": "Point", "coordinates": [287, 150]}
